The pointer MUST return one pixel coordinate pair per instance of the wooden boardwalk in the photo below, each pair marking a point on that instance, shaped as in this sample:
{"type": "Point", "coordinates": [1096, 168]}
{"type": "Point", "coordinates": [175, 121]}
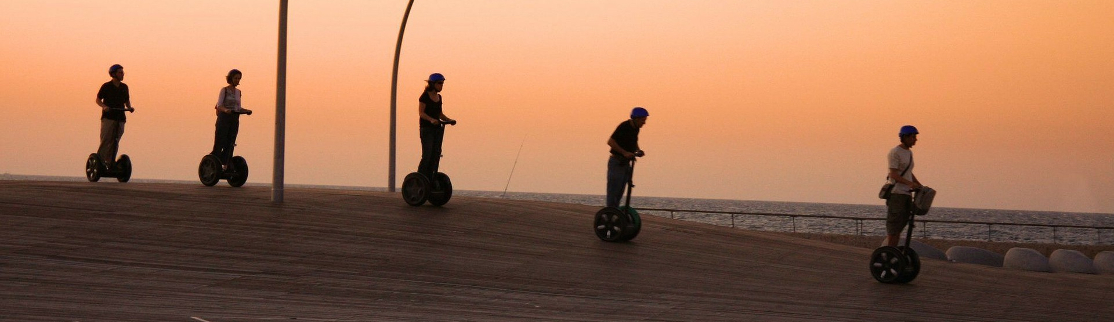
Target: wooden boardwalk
{"type": "Point", "coordinates": [78, 251]}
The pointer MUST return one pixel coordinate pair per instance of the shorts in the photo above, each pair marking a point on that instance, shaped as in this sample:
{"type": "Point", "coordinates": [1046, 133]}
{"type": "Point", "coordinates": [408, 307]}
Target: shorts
{"type": "Point", "coordinates": [898, 210]}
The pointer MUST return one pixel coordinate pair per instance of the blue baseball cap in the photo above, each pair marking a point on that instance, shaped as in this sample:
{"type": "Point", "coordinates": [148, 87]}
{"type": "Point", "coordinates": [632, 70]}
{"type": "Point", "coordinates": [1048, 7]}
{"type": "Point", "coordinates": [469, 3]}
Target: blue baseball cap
{"type": "Point", "coordinates": [639, 112]}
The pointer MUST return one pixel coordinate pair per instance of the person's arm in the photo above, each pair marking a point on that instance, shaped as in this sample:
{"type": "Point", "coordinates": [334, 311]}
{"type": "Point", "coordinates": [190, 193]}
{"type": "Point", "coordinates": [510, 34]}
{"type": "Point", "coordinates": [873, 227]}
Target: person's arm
{"type": "Point", "coordinates": [240, 102]}
{"type": "Point", "coordinates": [446, 118]}
{"type": "Point", "coordinates": [615, 146]}
{"type": "Point", "coordinates": [220, 103]}
{"type": "Point", "coordinates": [100, 100]}
{"type": "Point", "coordinates": [128, 101]}
{"type": "Point", "coordinates": [896, 175]}
{"type": "Point", "coordinates": [424, 116]}
{"type": "Point", "coordinates": [915, 179]}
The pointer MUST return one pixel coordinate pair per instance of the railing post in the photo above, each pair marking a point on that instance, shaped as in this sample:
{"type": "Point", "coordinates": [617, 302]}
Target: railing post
{"type": "Point", "coordinates": [1054, 234]}
{"type": "Point", "coordinates": [794, 220]}
{"type": "Point", "coordinates": [988, 232]}
{"type": "Point", "coordinates": [732, 220]}
{"type": "Point", "coordinates": [924, 229]}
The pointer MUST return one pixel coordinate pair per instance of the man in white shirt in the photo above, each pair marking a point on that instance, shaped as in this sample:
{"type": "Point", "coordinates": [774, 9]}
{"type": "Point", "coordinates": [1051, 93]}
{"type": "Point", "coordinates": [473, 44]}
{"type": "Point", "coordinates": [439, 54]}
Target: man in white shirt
{"type": "Point", "coordinates": [899, 206]}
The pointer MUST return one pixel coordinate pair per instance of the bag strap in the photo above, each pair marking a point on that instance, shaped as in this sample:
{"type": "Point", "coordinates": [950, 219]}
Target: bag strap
{"type": "Point", "coordinates": [906, 167]}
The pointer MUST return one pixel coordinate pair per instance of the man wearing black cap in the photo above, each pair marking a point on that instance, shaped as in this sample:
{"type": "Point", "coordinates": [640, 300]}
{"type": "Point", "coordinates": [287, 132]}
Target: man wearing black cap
{"type": "Point", "coordinates": [624, 147]}
{"type": "Point", "coordinates": [113, 98]}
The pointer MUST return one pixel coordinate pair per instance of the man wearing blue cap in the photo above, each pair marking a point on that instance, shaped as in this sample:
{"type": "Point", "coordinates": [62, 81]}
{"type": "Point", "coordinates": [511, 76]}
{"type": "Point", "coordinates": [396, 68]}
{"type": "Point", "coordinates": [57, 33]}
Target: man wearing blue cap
{"type": "Point", "coordinates": [900, 201]}
{"type": "Point", "coordinates": [114, 99]}
{"type": "Point", "coordinates": [624, 147]}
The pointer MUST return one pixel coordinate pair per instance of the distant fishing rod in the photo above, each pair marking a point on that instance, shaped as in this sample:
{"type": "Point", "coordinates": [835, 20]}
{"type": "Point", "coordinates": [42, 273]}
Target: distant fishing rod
{"type": "Point", "coordinates": [513, 166]}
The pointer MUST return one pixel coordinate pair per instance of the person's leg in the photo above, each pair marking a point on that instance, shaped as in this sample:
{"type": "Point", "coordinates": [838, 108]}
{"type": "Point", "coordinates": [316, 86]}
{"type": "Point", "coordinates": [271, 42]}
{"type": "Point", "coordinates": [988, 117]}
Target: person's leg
{"type": "Point", "coordinates": [220, 137]}
{"type": "Point", "coordinates": [427, 150]}
{"type": "Point", "coordinates": [107, 138]}
{"type": "Point", "coordinates": [897, 216]}
{"type": "Point", "coordinates": [230, 143]}
{"type": "Point", "coordinates": [438, 139]}
{"type": "Point", "coordinates": [616, 180]}
{"type": "Point", "coordinates": [119, 135]}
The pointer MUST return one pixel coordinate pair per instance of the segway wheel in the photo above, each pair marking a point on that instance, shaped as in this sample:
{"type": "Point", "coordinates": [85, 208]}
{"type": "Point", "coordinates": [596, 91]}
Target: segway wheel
{"type": "Point", "coordinates": [415, 189]}
{"type": "Point", "coordinates": [239, 169]}
{"type": "Point", "coordinates": [93, 168]}
{"type": "Point", "coordinates": [913, 268]}
{"type": "Point", "coordinates": [209, 171]}
{"type": "Point", "coordinates": [124, 168]}
{"type": "Point", "coordinates": [887, 264]}
{"type": "Point", "coordinates": [635, 222]}
{"type": "Point", "coordinates": [442, 189]}
{"type": "Point", "coordinates": [611, 224]}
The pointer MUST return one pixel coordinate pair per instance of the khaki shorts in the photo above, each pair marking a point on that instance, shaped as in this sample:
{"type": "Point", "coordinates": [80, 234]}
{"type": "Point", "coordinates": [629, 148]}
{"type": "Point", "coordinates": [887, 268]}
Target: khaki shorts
{"type": "Point", "coordinates": [898, 209]}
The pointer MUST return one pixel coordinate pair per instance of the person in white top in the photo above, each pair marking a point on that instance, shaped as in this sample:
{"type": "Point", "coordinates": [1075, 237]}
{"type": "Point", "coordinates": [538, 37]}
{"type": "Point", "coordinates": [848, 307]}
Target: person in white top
{"type": "Point", "coordinates": [228, 118]}
{"type": "Point", "coordinates": [899, 205]}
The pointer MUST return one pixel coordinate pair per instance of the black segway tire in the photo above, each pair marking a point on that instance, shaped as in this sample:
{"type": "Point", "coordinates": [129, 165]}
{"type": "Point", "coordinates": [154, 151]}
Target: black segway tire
{"type": "Point", "coordinates": [239, 168]}
{"type": "Point", "coordinates": [887, 264]}
{"type": "Point", "coordinates": [209, 171]}
{"type": "Point", "coordinates": [442, 189]}
{"type": "Point", "coordinates": [913, 268]}
{"type": "Point", "coordinates": [93, 168]}
{"type": "Point", "coordinates": [124, 168]}
{"type": "Point", "coordinates": [635, 222]}
{"type": "Point", "coordinates": [611, 224]}
{"type": "Point", "coordinates": [415, 189]}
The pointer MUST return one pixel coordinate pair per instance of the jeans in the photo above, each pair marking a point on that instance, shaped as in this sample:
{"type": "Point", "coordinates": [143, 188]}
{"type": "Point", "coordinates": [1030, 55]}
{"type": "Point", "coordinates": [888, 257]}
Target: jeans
{"type": "Point", "coordinates": [224, 142]}
{"type": "Point", "coordinates": [432, 138]}
{"type": "Point", "coordinates": [618, 174]}
{"type": "Point", "coordinates": [111, 132]}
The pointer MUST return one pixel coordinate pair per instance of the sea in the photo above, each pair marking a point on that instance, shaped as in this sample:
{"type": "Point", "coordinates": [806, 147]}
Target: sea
{"type": "Point", "coordinates": [854, 219]}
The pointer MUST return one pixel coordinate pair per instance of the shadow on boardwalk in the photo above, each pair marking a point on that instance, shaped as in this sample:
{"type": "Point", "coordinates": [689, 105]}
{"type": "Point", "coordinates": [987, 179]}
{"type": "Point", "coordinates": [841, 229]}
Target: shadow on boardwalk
{"type": "Point", "coordinates": [75, 251]}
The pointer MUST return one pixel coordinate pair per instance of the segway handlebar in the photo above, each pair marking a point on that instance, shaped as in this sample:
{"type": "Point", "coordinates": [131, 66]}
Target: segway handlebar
{"type": "Point", "coordinates": [125, 109]}
{"type": "Point", "coordinates": [241, 112]}
{"type": "Point", "coordinates": [453, 122]}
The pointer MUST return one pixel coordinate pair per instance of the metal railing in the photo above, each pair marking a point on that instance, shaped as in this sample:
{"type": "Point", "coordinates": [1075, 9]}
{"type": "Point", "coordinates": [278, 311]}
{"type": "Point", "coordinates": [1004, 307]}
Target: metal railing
{"type": "Point", "coordinates": [923, 223]}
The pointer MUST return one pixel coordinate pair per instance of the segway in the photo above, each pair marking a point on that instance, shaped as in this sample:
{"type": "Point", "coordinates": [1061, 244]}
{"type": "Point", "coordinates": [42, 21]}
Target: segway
{"type": "Point", "coordinates": [211, 170]}
{"type": "Point", "coordinates": [900, 265]}
{"type": "Point", "coordinates": [95, 167]}
{"type": "Point", "coordinates": [616, 224]}
{"type": "Point", "coordinates": [417, 188]}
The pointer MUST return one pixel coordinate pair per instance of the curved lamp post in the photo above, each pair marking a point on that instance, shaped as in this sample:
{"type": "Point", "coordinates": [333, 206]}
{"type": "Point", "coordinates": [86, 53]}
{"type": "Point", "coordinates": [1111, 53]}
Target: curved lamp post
{"type": "Point", "coordinates": [394, 100]}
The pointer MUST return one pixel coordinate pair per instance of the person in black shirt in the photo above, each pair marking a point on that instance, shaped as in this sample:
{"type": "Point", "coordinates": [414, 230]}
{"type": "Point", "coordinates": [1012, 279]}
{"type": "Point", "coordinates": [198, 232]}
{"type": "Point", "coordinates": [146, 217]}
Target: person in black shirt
{"type": "Point", "coordinates": [624, 147]}
{"type": "Point", "coordinates": [114, 99]}
{"type": "Point", "coordinates": [431, 117]}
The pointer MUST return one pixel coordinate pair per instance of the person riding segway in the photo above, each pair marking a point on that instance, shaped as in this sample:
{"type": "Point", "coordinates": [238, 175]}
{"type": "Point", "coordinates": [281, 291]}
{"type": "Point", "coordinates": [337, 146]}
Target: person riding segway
{"type": "Point", "coordinates": [114, 99]}
{"type": "Point", "coordinates": [220, 163]}
{"type": "Point", "coordinates": [905, 198]}
{"type": "Point", "coordinates": [614, 223]}
{"type": "Point", "coordinates": [427, 184]}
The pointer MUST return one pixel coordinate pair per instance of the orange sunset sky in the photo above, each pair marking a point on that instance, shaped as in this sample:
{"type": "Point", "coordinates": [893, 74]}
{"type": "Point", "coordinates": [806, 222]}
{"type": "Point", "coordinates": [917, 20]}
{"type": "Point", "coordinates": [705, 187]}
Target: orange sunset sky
{"type": "Point", "coordinates": [750, 100]}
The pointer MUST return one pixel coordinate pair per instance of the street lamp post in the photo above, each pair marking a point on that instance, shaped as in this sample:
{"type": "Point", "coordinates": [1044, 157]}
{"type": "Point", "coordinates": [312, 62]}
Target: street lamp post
{"type": "Point", "coordinates": [280, 109]}
{"type": "Point", "coordinates": [394, 100]}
